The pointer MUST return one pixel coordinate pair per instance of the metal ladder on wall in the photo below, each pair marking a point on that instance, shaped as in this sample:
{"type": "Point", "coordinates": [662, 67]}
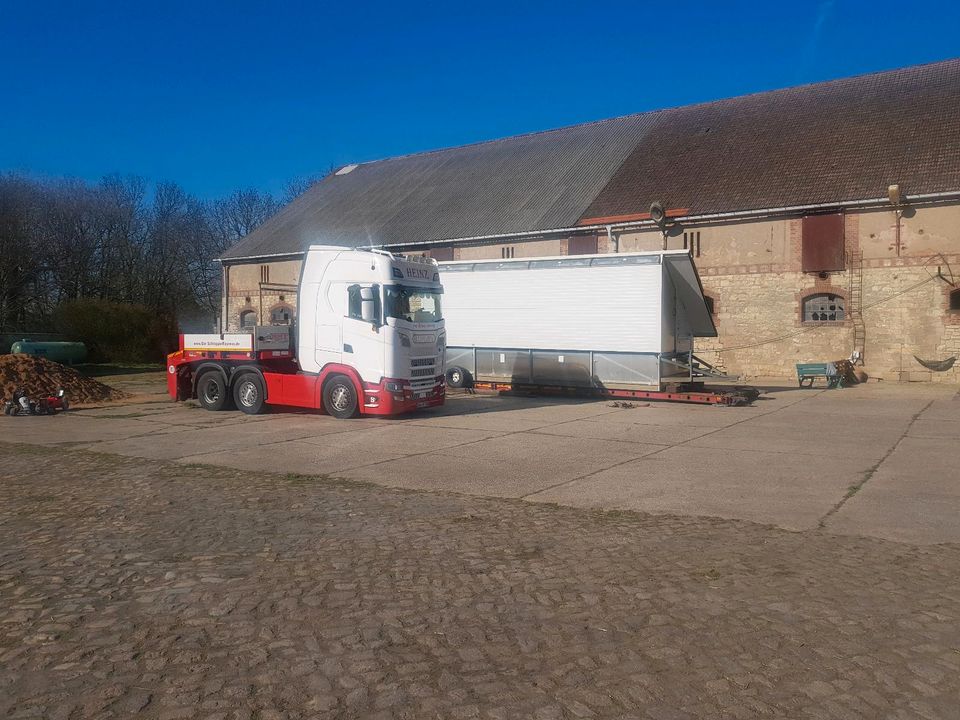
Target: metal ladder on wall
{"type": "Point", "coordinates": [855, 301]}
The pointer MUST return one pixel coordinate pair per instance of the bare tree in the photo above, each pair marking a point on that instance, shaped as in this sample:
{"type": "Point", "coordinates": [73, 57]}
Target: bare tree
{"type": "Point", "coordinates": [298, 186]}
{"type": "Point", "coordinates": [116, 241]}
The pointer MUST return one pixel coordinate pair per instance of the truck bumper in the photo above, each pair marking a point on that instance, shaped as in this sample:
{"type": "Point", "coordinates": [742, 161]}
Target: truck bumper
{"type": "Point", "coordinates": [384, 399]}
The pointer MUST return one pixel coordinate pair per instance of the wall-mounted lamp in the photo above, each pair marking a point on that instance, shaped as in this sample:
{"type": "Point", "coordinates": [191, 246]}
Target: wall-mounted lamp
{"type": "Point", "coordinates": [893, 192]}
{"type": "Point", "coordinates": [659, 217]}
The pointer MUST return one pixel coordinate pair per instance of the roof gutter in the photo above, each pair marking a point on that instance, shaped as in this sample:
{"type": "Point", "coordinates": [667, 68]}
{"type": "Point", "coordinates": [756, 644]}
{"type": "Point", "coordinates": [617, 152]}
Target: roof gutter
{"type": "Point", "coordinates": [610, 227]}
{"type": "Point", "coordinates": [704, 217]}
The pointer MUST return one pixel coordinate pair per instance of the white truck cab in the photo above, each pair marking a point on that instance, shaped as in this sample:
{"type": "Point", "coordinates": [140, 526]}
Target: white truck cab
{"type": "Point", "coordinates": [369, 340]}
{"type": "Point", "coordinates": [378, 313]}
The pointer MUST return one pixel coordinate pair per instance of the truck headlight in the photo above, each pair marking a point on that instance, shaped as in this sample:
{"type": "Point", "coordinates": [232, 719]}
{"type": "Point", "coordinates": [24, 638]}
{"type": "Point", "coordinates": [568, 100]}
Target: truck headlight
{"type": "Point", "coordinates": [441, 343]}
{"type": "Point", "coordinates": [394, 387]}
{"type": "Point", "coordinates": [404, 340]}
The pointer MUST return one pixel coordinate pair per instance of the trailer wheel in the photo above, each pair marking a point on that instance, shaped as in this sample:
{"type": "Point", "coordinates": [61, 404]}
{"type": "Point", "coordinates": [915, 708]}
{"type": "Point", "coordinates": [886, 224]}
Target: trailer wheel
{"type": "Point", "coordinates": [458, 377]}
{"type": "Point", "coordinates": [340, 397]}
{"type": "Point", "coordinates": [248, 393]}
{"type": "Point", "coordinates": [212, 391]}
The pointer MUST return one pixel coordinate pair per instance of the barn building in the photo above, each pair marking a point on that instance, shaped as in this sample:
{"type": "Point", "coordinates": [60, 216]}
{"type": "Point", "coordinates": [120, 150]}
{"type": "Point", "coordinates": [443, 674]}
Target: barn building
{"type": "Point", "coordinates": [823, 218]}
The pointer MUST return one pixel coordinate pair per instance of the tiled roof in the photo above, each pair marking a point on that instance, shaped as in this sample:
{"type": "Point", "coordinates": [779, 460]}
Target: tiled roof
{"type": "Point", "coordinates": [835, 141]}
{"type": "Point", "coordinates": [528, 182]}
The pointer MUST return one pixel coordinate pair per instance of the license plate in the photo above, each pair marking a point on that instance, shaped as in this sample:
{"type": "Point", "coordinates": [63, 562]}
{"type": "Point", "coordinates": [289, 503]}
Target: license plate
{"type": "Point", "coordinates": [422, 395]}
{"type": "Point", "coordinates": [423, 338]}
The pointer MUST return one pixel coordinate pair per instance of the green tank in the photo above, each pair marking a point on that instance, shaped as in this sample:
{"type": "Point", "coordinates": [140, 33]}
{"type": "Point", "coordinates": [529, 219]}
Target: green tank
{"type": "Point", "coordinates": [65, 353]}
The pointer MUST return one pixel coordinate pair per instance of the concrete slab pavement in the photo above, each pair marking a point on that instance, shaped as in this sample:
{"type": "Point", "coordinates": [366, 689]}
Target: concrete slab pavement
{"type": "Point", "coordinates": [791, 459]}
{"type": "Point", "coordinates": [913, 496]}
{"type": "Point", "coordinates": [788, 490]}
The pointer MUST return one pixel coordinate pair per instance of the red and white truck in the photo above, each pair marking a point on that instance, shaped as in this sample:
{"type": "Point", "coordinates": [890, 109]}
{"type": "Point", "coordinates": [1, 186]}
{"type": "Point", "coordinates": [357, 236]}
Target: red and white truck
{"type": "Point", "coordinates": [369, 340]}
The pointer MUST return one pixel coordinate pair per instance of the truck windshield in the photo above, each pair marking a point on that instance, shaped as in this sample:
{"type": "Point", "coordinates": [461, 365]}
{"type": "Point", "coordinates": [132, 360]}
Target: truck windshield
{"type": "Point", "coordinates": [412, 304]}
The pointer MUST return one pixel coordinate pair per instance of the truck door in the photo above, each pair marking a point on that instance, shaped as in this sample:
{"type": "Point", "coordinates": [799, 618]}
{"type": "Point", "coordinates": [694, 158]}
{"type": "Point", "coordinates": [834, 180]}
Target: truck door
{"type": "Point", "coordinates": [330, 308]}
{"type": "Point", "coordinates": [363, 345]}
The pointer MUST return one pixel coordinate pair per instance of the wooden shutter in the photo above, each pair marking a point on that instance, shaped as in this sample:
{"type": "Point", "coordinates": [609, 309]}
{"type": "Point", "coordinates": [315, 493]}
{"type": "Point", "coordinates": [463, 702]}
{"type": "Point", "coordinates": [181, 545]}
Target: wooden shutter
{"type": "Point", "coordinates": [823, 243]}
{"type": "Point", "coordinates": [582, 245]}
{"type": "Point", "coordinates": [441, 254]}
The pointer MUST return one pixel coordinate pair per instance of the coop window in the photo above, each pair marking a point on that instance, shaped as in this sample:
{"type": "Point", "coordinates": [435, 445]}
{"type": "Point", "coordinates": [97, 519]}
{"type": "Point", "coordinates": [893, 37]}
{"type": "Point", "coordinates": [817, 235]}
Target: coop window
{"type": "Point", "coordinates": [264, 273]}
{"type": "Point", "coordinates": [823, 307]}
{"type": "Point", "coordinates": [248, 319]}
{"type": "Point", "coordinates": [281, 315]}
{"type": "Point", "coordinates": [691, 242]}
{"type": "Point", "coordinates": [507, 252]}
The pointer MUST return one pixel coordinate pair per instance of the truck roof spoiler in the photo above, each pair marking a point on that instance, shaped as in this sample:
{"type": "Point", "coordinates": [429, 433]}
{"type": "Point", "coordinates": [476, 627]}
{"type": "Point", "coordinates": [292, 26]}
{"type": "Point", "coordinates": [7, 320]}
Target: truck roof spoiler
{"type": "Point", "coordinates": [379, 251]}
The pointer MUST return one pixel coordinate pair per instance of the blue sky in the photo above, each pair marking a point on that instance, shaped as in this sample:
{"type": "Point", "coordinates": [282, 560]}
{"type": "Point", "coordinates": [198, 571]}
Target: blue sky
{"type": "Point", "coordinates": [223, 95]}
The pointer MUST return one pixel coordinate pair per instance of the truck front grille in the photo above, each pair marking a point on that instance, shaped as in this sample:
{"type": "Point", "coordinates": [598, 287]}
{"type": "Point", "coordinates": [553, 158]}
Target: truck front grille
{"type": "Point", "coordinates": [423, 373]}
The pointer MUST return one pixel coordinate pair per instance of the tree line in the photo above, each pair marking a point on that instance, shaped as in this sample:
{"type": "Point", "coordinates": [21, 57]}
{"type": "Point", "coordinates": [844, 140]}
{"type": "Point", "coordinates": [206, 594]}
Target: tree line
{"type": "Point", "coordinates": [117, 241]}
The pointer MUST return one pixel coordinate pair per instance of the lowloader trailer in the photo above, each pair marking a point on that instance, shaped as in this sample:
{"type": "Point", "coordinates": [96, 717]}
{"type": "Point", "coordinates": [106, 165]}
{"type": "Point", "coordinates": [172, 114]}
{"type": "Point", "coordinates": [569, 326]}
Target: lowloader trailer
{"type": "Point", "coordinates": [369, 340]}
{"type": "Point", "coordinates": [620, 325]}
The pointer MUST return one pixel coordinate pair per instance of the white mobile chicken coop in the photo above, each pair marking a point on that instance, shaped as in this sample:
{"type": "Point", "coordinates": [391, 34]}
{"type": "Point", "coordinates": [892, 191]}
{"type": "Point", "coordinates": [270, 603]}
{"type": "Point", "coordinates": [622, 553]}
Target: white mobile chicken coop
{"type": "Point", "coordinates": [622, 324]}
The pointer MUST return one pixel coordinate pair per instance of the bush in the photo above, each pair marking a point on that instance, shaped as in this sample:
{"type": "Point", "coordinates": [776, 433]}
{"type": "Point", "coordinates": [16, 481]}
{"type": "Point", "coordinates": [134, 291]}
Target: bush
{"type": "Point", "coordinates": [117, 332]}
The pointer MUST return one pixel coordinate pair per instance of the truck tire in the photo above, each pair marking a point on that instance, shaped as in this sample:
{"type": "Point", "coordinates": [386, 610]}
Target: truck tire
{"type": "Point", "coordinates": [248, 393]}
{"type": "Point", "coordinates": [458, 377]}
{"type": "Point", "coordinates": [340, 397]}
{"type": "Point", "coordinates": [212, 391]}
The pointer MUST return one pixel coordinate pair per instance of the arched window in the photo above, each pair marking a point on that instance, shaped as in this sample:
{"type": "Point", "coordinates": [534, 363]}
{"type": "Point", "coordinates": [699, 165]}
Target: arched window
{"type": "Point", "coordinates": [281, 315]}
{"type": "Point", "coordinates": [955, 300]}
{"type": "Point", "coordinates": [248, 319]}
{"type": "Point", "coordinates": [823, 307]}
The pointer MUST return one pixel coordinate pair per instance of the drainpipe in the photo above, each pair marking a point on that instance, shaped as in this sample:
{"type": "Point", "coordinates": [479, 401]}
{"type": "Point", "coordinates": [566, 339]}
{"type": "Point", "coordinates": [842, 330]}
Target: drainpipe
{"type": "Point", "coordinates": [898, 213]}
{"type": "Point", "coordinates": [614, 243]}
{"type": "Point", "coordinates": [225, 294]}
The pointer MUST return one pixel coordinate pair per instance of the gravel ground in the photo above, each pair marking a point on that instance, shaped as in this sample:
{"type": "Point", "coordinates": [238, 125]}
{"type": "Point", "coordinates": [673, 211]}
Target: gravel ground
{"type": "Point", "coordinates": [132, 587]}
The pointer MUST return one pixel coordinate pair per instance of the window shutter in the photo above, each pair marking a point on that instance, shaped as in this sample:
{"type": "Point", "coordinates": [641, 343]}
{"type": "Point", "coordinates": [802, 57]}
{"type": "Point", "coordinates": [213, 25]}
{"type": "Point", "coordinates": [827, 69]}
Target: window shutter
{"type": "Point", "coordinates": [582, 245]}
{"type": "Point", "coordinates": [441, 254]}
{"type": "Point", "coordinates": [823, 243]}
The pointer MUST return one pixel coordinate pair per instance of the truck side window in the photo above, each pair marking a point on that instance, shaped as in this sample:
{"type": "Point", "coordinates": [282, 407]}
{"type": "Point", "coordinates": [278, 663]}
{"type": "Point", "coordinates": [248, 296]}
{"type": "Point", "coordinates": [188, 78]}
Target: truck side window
{"type": "Point", "coordinates": [377, 306]}
{"type": "Point", "coordinates": [353, 302]}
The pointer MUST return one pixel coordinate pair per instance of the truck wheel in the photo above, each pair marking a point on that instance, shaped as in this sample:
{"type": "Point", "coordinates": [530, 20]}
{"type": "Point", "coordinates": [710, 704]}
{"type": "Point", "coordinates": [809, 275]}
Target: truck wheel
{"type": "Point", "coordinates": [248, 393]}
{"type": "Point", "coordinates": [340, 397]}
{"type": "Point", "coordinates": [212, 391]}
{"type": "Point", "coordinates": [458, 377]}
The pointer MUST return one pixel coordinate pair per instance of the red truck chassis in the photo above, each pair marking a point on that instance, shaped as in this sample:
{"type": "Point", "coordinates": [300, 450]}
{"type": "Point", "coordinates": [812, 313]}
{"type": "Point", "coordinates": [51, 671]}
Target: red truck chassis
{"type": "Point", "coordinates": [282, 383]}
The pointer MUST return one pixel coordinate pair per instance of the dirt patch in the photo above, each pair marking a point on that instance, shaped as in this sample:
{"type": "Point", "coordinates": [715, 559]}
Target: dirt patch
{"type": "Point", "coordinates": [39, 377]}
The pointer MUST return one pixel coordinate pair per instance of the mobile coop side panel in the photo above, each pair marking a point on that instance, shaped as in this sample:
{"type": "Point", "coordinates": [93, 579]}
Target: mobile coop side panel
{"type": "Point", "coordinates": [605, 322]}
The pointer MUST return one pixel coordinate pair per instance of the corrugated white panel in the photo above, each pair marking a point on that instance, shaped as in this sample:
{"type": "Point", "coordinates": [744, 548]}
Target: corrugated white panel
{"type": "Point", "coordinates": [609, 308]}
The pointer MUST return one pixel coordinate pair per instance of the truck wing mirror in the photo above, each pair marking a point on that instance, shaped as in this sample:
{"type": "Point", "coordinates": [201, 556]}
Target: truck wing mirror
{"type": "Point", "coordinates": [368, 307]}
{"type": "Point", "coordinates": [367, 312]}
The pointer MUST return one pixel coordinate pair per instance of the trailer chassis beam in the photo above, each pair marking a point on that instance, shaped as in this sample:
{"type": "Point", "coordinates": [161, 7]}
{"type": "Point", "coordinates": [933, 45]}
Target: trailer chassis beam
{"type": "Point", "coordinates": [699, 397]}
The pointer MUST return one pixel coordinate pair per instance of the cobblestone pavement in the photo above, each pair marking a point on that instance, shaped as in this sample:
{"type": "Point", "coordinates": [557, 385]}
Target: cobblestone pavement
{"type": "Point", "coordinates": [132, 587]}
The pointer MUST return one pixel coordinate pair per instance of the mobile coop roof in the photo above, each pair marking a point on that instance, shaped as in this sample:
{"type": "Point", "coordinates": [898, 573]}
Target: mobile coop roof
{"type": "Point", "coordinates": [620, 319]}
